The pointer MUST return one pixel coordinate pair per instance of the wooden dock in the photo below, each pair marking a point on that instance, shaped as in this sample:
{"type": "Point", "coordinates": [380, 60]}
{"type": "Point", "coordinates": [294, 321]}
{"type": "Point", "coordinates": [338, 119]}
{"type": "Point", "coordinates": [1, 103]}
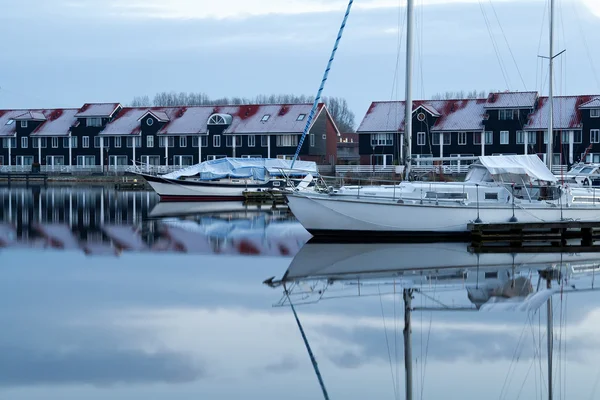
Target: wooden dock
{"type": "Point", "coordinates": [128, 183]}
{"type": "Point", "coordinates": [534, 235]}
{"type": "Point", "coordinates": [28, 177]}
{"type": "Point", "coordinates": [265, 197]}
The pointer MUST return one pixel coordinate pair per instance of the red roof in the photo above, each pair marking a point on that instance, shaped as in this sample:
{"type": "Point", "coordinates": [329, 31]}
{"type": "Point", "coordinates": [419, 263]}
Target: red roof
{"type": "Point", "coordinates": [566, 113]}
{"type": "Point", "coordinates": [97, 110]}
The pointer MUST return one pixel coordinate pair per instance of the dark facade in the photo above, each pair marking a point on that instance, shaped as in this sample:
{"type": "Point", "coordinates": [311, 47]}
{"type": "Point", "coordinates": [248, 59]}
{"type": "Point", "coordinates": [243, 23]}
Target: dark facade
{"type": "Point", "coordinates": [113, 136]}
{"type": "Point", "coordinates": [506, 123]}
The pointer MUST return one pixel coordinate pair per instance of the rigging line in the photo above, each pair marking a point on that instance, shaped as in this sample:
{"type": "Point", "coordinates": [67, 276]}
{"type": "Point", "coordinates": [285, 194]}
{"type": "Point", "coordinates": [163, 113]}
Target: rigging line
{"type": "Point", "coordinates": [495, 46]}
{"type": "Point", "coordinates": [512, 362]}
{"type": "Point", "coordinates": [387, 343]}
{"type": "Point", "coordinates": [310, 353]}
{"type": "Point", "coordinates": [427, 348]}
{"type": "Point", "coordinates": [508, 45]}
{"type": "Point", "coordinates": [540, 45]}
{"type": "Point", "coordinates": [396, 344]}
{"type": "Point", "coordinates": [585, 44]}
{"type": "Point", "coordinates": [325, 75]}
{"type": "Point", "coordinates": [535, 355]}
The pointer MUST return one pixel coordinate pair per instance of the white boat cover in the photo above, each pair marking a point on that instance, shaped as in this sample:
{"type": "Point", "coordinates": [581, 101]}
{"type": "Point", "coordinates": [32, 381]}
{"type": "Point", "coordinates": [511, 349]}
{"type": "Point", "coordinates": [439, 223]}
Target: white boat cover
{"type": "Point", "coordinates": [256, 168]}
{"type": "Point", "coordinates": [530, 165]}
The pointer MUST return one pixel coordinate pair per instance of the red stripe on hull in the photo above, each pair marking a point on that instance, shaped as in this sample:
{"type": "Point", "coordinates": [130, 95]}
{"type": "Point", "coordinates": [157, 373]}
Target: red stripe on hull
{"type": "Point", "coordinates": [200, 198]}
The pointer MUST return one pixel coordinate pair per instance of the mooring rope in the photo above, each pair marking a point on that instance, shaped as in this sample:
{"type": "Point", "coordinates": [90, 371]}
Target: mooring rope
{"type": "Point", "coordinates": [318, 97]}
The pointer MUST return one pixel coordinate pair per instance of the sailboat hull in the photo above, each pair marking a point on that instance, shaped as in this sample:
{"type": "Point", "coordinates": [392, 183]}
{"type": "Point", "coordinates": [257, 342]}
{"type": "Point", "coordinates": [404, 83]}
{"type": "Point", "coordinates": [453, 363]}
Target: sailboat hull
{"type": "Point", "coordinates": [324, 215]}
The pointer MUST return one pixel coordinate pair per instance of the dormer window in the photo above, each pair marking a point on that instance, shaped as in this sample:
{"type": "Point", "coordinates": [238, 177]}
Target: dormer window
{"type": "Point", "coordinates": [300, 117]}
{"type": "Point", "coordinates": [23, 124]}
{"type": "Point", "coordinates": [94, 122]}
{"type": "Point", "coordinates": [595, 113]}
{"type": "Point", "coordinates": [220, 119]}
{"type": "Point", "coordinates": [149, 121]}
{"type": "Point", "coordinates": [265, 117]}
{"type": "Point", "coordinates": [508, 114]}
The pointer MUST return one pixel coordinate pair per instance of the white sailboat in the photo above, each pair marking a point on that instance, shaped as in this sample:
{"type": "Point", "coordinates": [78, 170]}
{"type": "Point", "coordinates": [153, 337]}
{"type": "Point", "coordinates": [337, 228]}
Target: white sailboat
{"type": "Point", "coordinates": [504, 188]}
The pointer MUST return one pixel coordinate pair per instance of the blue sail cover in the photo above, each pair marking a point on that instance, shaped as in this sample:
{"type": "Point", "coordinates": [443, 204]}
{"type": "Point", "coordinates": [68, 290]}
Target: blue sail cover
{"type": "Point", "coordinates": [257, 168]}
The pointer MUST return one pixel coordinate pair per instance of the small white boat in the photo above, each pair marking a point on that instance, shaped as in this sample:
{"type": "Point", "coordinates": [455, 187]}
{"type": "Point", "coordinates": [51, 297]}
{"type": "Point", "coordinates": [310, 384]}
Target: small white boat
{"type": "Point", "coordinates": [582, 174]}
{"type": "Point", "coordinates": [229, 178]}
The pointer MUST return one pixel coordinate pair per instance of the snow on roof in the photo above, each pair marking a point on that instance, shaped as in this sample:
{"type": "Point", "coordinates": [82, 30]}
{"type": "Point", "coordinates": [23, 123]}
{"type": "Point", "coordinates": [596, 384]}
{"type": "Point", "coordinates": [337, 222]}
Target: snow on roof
{"type": "Point", "coordinates": [125, 122]}
{"type": "Point", "coordinates": [30, 116]}
{"type": "Point", "coordinates": [511, 100]}
{"type": "Point", "coordinates": [282, 118]}
{"type": "Point", "coordinates": [8, 128]}
{"type": "Point", "coordinates": [161, 116]}
{"type": "Point", "coordinates": [97, 110]}
{"type": "Point", "coordinates": [594, 103]}
{"type": "Point", "coordinates": [566, 113]}
{"type": "Point", "coordinates": [246, 119]}
{"type": "Point", "coordinates": [58, 122]}
{"type": "Point", "coordinates": [454, 115]}
{"type": "Point", "coordinates": [430, 109]}
{"type": "Point", "coordinates": [460, 115]}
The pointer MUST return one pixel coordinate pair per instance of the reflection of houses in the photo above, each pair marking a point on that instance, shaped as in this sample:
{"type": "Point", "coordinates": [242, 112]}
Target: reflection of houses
{"type": "Point", "coordinates": [100, 221]}
{"type": "Point", "coordinates": [112, 135]}
{"type": "Point", "coordinates": [502, 123]}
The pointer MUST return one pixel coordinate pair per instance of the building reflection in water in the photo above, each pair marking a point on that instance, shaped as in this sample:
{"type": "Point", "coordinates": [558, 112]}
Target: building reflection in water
{"type": "Point", "coordinates": [100, 220]}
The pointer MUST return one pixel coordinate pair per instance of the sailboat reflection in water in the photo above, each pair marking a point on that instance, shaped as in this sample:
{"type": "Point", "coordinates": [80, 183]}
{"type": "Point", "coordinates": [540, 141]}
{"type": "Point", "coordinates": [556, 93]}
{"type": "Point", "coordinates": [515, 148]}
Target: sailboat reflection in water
{"type": "Point", "coordinates": [489, 282]}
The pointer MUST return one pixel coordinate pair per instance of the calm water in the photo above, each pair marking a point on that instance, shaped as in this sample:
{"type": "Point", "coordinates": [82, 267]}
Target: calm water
{"type": "Point", "coordinates": [109, 294]}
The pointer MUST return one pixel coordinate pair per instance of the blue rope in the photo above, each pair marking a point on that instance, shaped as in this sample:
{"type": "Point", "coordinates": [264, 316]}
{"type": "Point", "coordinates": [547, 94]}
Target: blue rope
{"type": "Point", "coordinates": [316, 102]}
{"type": "Point", "coordinates": [310, 353]}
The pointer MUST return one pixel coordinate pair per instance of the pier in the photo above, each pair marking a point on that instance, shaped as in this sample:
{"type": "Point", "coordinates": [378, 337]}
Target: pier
{"type": "Point", "coordinates": [24, 176]}
{"type": "Point", "coordinates": [534, 235]}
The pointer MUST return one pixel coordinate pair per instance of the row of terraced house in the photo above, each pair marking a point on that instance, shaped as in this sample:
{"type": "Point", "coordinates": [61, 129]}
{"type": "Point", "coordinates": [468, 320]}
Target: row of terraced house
{"type": "Point", "coordinates": [110, 135]}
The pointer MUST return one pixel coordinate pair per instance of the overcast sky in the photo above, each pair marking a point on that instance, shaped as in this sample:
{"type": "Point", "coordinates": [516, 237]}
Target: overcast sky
{"type": "Point", "coordinates": [67, 52]}
{"type": "Point", "coordinates": [179, 327]}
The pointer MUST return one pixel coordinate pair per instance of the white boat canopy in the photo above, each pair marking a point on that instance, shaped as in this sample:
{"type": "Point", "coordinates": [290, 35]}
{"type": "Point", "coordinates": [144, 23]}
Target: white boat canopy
{"type": "Point", "coordinates": [510, 168]}
{"type": "Point", "coordinates": [257, 168]}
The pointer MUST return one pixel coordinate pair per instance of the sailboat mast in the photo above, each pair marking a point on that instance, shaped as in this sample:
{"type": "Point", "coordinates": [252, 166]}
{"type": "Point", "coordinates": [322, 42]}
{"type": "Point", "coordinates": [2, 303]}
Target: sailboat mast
{"type": "Point", "coordinates": [550, 337]}
{"type": "Point", "coordinates": [550, 148]}
{"type": "Point", "coordinates": [408, 105]}
{"type": "Point", "coordinates": [407, 294]}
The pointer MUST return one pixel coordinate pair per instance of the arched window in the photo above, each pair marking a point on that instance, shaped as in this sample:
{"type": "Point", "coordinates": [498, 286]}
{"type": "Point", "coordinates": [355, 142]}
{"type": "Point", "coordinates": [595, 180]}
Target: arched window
{"type": "Point", "coordinates": [219, 119]}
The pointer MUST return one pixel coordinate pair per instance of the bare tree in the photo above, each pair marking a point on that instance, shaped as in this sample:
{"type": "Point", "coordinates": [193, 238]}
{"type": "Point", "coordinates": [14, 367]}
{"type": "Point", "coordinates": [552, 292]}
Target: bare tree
{"type": "Point", "coordinates": [338, 107]}
{"type": "Point", "coordinates": [460, 94]}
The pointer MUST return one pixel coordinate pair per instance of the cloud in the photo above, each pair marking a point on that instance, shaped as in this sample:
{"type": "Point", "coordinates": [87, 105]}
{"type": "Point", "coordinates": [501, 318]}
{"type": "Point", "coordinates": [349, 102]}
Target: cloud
{"type": "Point", "coordinates": [240, 9]}
{"type": "Point", "coordinates": [100, 367]}
{"type": "Point", "coordinates": [286, 364]}
{"type": "Point", "coordinates": [593, 6]}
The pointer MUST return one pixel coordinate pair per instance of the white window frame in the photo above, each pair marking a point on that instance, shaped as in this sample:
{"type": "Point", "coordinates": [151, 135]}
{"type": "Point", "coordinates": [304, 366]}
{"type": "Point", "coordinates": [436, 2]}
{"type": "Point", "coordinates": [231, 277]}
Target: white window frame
{"type": "Point", "coordinates": [117, 142]}
{"type": "Point", "coordinates": [182, 141]}
{"type": "Point", "coordinates": [420, 138]}
{"type": "Point", "coordinates": [462, 138]}
{"type": "Point", "coordinates": [85, 142]}
{"type": "Point", "coordinates": [489, 135]}
{"type": "Point", "coordinates": [287, 140]}
{"type": "Point", "coordinates": [435, 138]}
{"type": "Point", "coordinates": [83, 158]}
{"type": "Point", "coordinates": [382, 139]}
{"type": "Point", "coordinates": [229, 141]}
{"type": "Point", "coordinates": [520, 137]}
{"type": "Point", "coordinates": [447, 137]}
{"type": "Point", "coordinates": [150, 141]}
{"type": "Point", "coordinates": [595, 113]}
{"type": "Point", "coordinates": [531, 138]}
{"type": "Point", "coordinates": [23, 124]}
{"type": "Point", "coordinates": [24, 142]}
{"type": "Point", "coordinates": [217, 141]}
{"type": "Point", "coordinates": [9, 143]}
{"type": "Point", "coordinates": [251, 141]}
{"type": "Point", "coordinates": [95, 122]}
{"type": "Point", "coordinates": [504, 137]}
{"type": "Point", "coordinates": [594, 135]}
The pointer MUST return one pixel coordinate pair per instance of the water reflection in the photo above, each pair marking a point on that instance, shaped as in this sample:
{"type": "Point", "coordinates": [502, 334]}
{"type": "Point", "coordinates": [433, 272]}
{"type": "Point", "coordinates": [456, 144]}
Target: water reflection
{"type": "Point", "coordinates": [99, 220]}
{"type": "Point", "coordinates": [182, 312]}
